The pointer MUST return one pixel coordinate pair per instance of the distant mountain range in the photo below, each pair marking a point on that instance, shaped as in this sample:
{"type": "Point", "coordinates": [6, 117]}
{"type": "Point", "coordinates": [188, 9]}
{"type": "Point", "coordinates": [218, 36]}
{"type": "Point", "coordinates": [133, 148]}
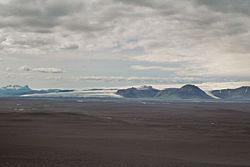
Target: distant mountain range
{"type": "Point", "coordinates": [16, 90]}
{"type": "Point", "coordinates": [141, 92]}
{"type": "Point", "coordinates": [186, 92]}
{"type": "Point", "coordinates": [238, 93]}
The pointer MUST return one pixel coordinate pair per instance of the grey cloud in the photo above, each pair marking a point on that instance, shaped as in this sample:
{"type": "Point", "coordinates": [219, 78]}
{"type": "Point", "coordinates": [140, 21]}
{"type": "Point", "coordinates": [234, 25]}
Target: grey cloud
{"type": "Point", "coordinates": [40, 8]}
{"type": "Point", "coordinates": [40, 13]}
{"type": "Point", "coordinates": [133, 79]}
{"type": "Point", "coordinates": [32, 43]}
{"type": "Point", "coordinates": [154, 4]}
{"type": "Point", "coordinates": [7, 69]}
{"type": "Point", "coordinates": [2, 39]}
{"type": "Point", "coordinates": [209, 34]}
{"type": "Point", "coordinates": [149, 68]}
{"type": "Point", "coordinates": [28, 43]}
{"type": "Point", "coordinates": [41, 70]}
{"type": "Point", "coordinates": [24, 68]}
{"type": "Point", "coordinates": [48, 70]}
{"type": "Point", "coordinates": [70, 46]}
{"type": "Point", "coordinates": [227, 6]}
{"type": "Point", "coordinates": [162, 8]}
{"type": "Point", "coordinates": [84, 26]}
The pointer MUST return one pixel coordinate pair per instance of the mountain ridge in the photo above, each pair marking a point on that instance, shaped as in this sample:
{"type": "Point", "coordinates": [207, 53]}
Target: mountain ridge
{"type": "Point", "coordinates": [17, 90]}
{"type": "Point", "coordinates": [186, 92]}
{"type": "Point", "coordinates": [237, 93]}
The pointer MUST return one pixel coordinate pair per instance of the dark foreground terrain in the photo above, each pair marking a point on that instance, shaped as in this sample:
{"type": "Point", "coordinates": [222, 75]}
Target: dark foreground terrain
{"type": "Point", "coordinates": [43, 133]}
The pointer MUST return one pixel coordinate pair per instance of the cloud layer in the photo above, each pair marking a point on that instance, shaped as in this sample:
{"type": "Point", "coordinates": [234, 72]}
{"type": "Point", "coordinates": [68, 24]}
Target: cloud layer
{"type": "Point", "coordinates": [41, 70]}
{"type": "Point", "coordinates": [201, 40]}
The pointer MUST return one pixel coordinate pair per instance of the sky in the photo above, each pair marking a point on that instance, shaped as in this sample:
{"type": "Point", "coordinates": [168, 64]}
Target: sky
{"type": "Point", "coordinates": [119, 43]}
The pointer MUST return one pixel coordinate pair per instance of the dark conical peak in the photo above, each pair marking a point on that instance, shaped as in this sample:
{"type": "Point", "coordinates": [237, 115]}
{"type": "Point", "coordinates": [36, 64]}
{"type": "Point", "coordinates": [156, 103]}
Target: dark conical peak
{"type": "Point", "coordinates": [190, 87]}
{"type": "Point", "coordinates": [192, 92]}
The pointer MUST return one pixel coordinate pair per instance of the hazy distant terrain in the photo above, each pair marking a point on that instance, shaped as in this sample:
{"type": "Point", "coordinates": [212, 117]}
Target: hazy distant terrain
{"type": "Point", "coordinates": [186, 92]}
{"type": "Point", "coordinates": [238, 93]}
{"type": "Point", "coordinates": [17, 90]}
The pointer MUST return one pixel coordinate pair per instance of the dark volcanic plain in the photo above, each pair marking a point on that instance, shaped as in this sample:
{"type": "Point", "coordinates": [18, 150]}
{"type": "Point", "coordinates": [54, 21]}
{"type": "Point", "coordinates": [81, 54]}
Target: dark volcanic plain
{"type": "Point", "coordinates": [57, 133]}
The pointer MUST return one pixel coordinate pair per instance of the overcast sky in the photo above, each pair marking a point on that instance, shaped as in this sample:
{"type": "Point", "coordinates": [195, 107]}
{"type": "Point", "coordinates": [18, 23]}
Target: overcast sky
{"type": "Point", "coordinates": [112, 43]}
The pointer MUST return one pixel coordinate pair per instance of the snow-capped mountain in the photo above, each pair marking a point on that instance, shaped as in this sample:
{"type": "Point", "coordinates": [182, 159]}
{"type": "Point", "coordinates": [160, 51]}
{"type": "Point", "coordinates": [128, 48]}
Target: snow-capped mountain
{"type": "Point", "coordinates": [15, 90]}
